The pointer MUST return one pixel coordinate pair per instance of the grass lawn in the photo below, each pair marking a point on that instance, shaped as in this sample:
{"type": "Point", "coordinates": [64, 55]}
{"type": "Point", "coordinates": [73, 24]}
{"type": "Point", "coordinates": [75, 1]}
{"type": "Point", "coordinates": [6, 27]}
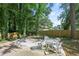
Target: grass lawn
{"type": "Point", "coordinates": [71, 47]}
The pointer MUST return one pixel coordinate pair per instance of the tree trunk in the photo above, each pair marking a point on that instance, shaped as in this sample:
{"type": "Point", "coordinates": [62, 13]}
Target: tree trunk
{"type": "Point", "coordinates": [72, 20]}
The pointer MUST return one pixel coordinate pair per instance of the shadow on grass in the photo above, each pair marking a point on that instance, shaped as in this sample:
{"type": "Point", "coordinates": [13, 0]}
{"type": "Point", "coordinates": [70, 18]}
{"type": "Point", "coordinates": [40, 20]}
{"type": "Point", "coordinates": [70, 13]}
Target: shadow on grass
{"type": "Point", "coordinates": [71, 47]}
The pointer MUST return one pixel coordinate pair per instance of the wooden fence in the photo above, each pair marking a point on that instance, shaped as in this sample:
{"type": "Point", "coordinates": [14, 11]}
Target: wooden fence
{"type": "Point", "coordinates": [59, 33]}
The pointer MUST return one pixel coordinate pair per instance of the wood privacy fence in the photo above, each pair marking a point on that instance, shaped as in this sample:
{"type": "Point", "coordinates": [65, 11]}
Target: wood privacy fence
{"type": "Point", "coordinates": [59, 33]}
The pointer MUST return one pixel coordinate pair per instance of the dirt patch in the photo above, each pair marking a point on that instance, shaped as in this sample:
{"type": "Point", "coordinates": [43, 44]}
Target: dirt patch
{"type": "Point", "coordinates": [7, 49]}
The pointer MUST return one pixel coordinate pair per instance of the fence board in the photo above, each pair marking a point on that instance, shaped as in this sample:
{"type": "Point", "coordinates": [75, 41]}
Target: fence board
{"type": "Point", "coordinates": [59, 33]}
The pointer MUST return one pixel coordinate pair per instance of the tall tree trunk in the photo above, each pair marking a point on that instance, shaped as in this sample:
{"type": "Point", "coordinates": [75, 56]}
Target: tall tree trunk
{"type": "Point", "coordinates": [20, 18]}
{"type": "Point", "coordinates": [14, 24]}
{"type": "Point", "coordinates": [72, 20]}
{"type": "Point", "coordinates": [5, 21]}
{"type": "Point", "coordinates": [37, 19]}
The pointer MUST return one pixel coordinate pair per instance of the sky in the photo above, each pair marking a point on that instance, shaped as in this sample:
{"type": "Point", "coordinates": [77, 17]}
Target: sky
{"type": "Point", "coordinates": [56, 11]}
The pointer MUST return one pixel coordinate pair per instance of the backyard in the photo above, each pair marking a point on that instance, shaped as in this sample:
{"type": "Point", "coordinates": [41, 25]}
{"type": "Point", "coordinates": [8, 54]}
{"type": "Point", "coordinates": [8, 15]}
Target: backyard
{"type": "Point", "coordinates": [39, 29]}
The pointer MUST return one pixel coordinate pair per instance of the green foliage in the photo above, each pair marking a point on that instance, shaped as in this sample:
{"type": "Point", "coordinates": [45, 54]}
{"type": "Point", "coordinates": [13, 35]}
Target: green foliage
{"type": "Point", "coordinates": [23, 18]}
{"type": "Point", "coordinates": [65, 15]}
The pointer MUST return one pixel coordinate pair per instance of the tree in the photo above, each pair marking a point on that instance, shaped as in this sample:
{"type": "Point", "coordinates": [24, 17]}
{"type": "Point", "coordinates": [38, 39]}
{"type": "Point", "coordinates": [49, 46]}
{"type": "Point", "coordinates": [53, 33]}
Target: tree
{"type": "Point", "coordinates": [72, 19]}
{"type": "Point", "coordinates": [23, 18]}
{"type": "Point", "coordinates": [64, 16]}
{"type": "Point", "coordinates": [68, 17]}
